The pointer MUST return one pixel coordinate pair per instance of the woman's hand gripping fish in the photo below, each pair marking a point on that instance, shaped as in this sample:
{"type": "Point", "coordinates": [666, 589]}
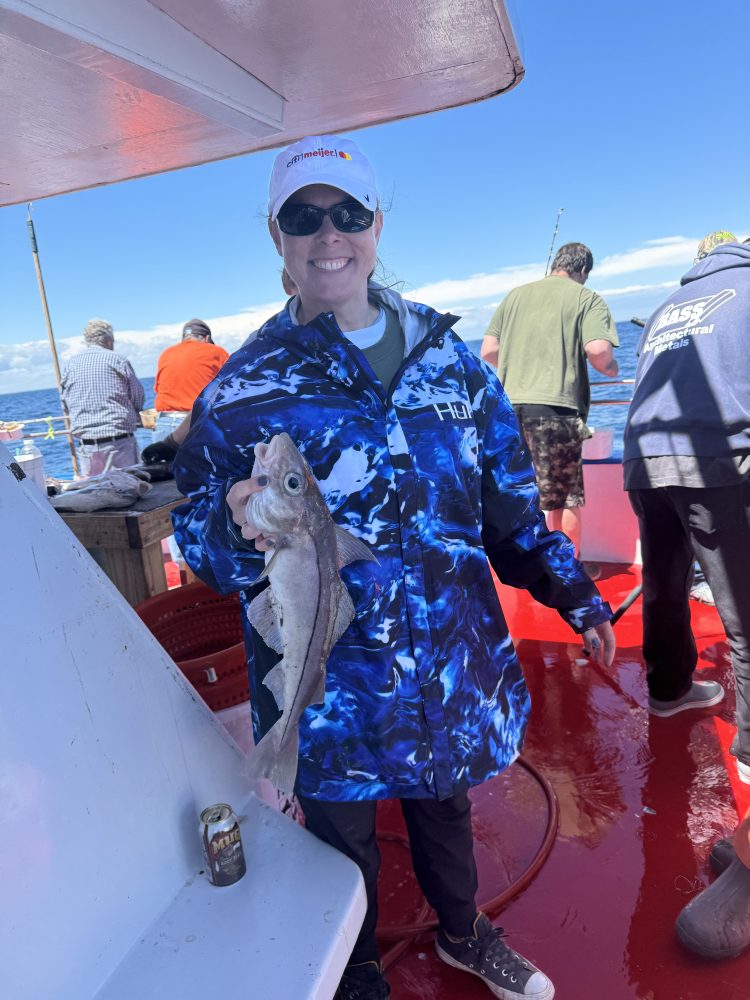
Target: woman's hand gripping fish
{"type": "Point", "coordinates": [307, 608]}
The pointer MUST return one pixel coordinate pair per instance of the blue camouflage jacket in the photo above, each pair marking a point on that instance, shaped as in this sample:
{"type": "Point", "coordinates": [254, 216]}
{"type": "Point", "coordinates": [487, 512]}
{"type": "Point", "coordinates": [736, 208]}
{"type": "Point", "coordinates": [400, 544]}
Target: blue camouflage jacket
{"type": "Point", "coordinates": [424, 692]}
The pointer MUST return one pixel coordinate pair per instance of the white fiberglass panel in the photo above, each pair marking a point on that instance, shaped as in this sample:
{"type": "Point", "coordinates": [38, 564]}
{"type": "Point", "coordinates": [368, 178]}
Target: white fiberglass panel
{"type": "Point", "coordinates": [107, 757]}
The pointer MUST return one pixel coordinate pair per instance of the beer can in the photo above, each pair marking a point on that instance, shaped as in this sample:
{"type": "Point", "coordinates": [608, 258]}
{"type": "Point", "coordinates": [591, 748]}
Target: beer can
{"type": "Point", "coordinates": [222, 845]}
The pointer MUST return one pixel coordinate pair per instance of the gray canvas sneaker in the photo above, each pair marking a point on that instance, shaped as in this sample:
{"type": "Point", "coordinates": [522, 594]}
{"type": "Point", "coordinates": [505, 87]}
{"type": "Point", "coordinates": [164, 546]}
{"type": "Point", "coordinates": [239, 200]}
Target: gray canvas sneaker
{"type": "Point", "coordinates": [485, 954]}
{"type": "Point", "coordinates": [702, 694]}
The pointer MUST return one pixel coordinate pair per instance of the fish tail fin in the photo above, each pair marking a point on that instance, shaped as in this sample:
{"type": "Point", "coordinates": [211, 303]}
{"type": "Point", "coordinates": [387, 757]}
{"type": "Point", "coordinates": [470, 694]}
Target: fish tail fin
{"type": "Point", "coordinates": [277, 763]}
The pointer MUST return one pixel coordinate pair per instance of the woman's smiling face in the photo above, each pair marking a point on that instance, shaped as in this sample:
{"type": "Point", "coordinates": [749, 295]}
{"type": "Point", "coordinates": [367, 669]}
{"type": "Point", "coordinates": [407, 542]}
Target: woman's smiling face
{"type": "Point", "coordinates": [329, 268]}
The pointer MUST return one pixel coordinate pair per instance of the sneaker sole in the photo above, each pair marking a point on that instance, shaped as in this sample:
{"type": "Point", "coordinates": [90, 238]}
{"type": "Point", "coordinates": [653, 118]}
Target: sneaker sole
{"type": "Point", "coordinates": [665, 713]}
{"type": "Point", "coordinates": [497, 990]}
{"type": "Point", "coordinates": [743, 773]}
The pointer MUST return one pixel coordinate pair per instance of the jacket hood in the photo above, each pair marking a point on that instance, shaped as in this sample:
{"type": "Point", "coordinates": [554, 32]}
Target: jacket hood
{"type": "Point", "coordinates": [723, 257]}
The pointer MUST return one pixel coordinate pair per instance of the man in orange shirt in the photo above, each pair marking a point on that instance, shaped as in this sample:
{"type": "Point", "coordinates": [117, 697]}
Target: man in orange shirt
{"type": "Point", "coordinates": [183, 371]}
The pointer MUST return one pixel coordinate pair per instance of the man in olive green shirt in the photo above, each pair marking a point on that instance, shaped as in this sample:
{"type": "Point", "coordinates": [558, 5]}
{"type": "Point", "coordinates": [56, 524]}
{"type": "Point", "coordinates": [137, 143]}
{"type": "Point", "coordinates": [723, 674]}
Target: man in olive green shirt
{"type": "Point", "coordinates": [540, 340]}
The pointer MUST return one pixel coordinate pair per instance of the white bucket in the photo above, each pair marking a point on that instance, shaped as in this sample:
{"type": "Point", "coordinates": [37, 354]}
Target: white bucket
{"type": "Point", "coordinates": [33, 467]}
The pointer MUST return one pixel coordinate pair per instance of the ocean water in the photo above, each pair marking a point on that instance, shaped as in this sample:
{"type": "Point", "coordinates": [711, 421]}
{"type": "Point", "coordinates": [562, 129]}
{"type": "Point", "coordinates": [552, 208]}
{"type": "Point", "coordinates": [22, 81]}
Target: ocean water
{"type": "Point", "coordinates": [45, 403]}
{"type": "Point", "coordinates": [56, 453]}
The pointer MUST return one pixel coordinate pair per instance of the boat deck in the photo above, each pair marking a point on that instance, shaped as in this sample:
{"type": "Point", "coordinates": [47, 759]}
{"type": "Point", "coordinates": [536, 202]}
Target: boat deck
{"type": "Point", "coordinates": [641, 801]}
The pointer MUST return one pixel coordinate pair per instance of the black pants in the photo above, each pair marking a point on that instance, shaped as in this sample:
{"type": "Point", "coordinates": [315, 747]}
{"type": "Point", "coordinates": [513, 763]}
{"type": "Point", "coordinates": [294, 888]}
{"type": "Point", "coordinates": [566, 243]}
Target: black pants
{"type": "Point", "coordinates": [712, 524]}
{"type": "Point", "coordinates": [441, 849]}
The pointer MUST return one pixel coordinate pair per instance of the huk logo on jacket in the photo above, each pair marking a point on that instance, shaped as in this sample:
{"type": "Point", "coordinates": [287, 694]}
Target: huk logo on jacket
{"type": "Point", "coordinates": [452, 411]}
{"type": "Point", "coordinates": [681, 320]}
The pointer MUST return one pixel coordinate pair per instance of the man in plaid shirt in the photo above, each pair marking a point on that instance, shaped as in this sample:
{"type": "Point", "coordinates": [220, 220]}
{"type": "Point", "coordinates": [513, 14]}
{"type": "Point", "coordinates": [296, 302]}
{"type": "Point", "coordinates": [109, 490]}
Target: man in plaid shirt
{"type": "Point", "coordinates": [102, 395]}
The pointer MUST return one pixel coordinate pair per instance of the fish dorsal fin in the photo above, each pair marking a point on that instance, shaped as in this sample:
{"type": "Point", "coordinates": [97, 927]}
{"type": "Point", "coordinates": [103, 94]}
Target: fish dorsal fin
{"type": "Point", "coordinates": [344, 615]}
{"type": "Point", "coordinates": [274, 681]}
{"type": "Point", "coordinates": [350, 549]}
{"type": "Point", "coordinates": [264, 617]}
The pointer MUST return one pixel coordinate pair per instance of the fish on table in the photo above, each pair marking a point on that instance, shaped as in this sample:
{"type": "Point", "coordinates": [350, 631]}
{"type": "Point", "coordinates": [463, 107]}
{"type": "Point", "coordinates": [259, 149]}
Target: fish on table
{"type": "Point", "coordinates": [307, 608]}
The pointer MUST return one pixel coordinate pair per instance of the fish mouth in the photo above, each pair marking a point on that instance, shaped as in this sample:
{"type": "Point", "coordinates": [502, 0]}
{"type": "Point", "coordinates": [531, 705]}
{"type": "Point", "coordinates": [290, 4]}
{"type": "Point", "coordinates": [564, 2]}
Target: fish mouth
{"type": "Point", "coordinates": [266, 453]}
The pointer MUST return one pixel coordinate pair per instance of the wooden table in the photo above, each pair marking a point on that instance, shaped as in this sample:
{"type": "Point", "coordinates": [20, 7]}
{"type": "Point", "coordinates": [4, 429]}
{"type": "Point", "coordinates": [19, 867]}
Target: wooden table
{"type": "Point", "coordinates": [127, 543]}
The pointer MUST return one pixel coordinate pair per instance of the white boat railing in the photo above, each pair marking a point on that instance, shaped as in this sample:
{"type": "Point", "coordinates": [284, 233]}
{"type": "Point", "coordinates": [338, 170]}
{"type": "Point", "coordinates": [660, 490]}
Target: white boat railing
{"type": "Point", "coordinates": [610, 382]}
{"type": "Point", "coordinates": [50, 433]}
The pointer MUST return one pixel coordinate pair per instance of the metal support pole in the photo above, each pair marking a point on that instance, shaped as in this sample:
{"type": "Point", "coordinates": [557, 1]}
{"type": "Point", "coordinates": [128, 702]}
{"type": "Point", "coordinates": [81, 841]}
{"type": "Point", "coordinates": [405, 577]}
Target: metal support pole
{"type": "Point", "coordinates": [50, 334]}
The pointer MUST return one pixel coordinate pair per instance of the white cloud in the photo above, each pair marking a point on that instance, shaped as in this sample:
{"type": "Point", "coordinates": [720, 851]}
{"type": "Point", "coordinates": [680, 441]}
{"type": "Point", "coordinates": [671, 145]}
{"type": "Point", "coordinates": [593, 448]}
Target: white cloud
{"type": "Point", "coordinates": [662, 286]}
{"type": "Point", "coordinates": [671, 251]}
{"type": "Point", "coordinates": [143, 347]}
{"type": "Point", "coordinates": [445, 294]}
{"type": "Point", "coordinates": [662, 241]}
{"type": "Point", "coordinates": [29, 365]}
{"type": "Point", "coordinates": [475, 297]}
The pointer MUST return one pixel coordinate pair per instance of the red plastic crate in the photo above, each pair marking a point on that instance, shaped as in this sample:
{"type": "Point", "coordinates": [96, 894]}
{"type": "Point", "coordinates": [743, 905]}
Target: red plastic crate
{"type": "Point", "coordinates": [202, 632]}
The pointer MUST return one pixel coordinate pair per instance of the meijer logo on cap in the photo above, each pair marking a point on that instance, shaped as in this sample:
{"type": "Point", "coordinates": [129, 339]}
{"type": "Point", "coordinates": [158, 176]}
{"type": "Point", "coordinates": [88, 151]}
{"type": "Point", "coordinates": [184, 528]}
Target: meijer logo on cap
{"type": "Point", "coordinates": [319, 152]}
{"type": "Point", "coordinates": [321, 159]}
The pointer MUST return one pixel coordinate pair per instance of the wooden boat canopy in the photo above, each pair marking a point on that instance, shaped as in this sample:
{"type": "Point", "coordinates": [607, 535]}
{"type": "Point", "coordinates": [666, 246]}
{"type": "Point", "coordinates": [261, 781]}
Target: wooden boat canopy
{"type": "Point", "coordinates": [92, 92]}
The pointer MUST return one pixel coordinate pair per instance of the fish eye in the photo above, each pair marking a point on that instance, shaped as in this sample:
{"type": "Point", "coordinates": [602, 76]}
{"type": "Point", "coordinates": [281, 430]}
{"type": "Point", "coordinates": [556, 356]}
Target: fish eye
{"type": "Point", "coordinates": [294, 484]}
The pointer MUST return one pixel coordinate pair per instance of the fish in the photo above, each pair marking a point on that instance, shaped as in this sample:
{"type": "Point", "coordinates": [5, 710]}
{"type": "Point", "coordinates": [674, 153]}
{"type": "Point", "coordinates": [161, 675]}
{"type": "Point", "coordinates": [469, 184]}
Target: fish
{"type": "Point", "coordinates": [307, 608]}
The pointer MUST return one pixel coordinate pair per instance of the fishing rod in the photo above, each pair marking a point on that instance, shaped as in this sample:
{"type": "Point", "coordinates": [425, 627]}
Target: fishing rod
{"type": "Point", "coordinates": [632, 597]}
{"type": "Point", "coordinates": [552, 244]}
{"type": "Point", "coordinates": [50, 334]}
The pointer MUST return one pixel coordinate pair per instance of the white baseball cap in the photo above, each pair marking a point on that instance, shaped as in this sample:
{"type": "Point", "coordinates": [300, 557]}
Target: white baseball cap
{"type": "Point", "coordinates": [322, 159]}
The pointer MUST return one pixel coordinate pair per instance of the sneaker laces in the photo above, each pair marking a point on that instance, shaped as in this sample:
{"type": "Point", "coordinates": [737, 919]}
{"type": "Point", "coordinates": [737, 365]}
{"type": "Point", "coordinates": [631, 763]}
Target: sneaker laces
{"type": "Point", "coordinates": [494, 951]}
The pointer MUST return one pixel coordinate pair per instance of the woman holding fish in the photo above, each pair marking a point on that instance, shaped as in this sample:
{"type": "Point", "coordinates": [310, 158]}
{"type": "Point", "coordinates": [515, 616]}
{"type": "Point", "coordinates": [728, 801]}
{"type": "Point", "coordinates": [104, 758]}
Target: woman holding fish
{"type": "Point", "coordinates": [380, 661]}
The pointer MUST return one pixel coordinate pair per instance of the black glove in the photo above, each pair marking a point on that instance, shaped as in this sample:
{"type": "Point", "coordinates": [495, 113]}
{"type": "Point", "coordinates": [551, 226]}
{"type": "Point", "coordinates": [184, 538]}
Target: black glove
{"type": "Point", "coordinates": [160, 451]}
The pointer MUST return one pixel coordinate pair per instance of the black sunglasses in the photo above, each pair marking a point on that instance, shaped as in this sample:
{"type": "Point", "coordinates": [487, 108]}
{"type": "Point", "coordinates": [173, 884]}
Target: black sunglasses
{"type": "Point", "coordinates": [304, 220]}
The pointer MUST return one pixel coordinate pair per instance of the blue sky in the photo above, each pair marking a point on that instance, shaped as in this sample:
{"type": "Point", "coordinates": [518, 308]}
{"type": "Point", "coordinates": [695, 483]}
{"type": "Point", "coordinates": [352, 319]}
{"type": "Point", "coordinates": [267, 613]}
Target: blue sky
{"type": "Point", "coordinates": [632, 117]}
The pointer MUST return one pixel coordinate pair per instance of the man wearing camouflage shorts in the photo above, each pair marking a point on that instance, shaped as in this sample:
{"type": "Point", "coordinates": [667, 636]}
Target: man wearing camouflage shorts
{"type": "Point", "coordinates": [539, 340]}
{"type": "Point", "coordinates": [555, 444]}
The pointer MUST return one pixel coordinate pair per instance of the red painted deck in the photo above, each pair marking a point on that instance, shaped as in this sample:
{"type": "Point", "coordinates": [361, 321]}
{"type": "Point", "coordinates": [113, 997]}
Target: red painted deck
{"type": "Point", "coordinates": [641, 801]}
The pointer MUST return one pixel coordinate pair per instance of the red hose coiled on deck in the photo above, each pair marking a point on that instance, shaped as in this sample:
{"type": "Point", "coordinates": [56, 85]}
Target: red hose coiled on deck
{"type": "Point", "coordinates": [405, 934]}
